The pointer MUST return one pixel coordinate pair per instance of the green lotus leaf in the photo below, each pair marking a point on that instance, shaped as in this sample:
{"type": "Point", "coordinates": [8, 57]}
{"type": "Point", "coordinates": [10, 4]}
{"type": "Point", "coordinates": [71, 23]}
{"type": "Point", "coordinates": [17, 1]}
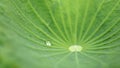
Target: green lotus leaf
{"type": "Point", "coordinates": [59, 33]}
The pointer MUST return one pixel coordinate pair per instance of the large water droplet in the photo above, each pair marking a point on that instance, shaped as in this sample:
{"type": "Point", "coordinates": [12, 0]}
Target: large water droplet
{"type": "Point", "coordinates": [75, 48]}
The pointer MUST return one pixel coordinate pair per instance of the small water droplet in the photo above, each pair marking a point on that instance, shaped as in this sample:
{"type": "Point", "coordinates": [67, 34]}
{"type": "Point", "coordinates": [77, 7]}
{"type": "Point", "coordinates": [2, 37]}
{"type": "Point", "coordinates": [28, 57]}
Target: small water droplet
{"type": "Point", "coordinates": [48, 43]}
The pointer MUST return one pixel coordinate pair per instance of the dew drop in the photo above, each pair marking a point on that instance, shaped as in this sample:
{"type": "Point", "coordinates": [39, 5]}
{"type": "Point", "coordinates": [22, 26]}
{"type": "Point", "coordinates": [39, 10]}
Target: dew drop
{"type": "Point", "coordinates": [75, 48]}
{"type": "Point", "coordinates": [48, 43]}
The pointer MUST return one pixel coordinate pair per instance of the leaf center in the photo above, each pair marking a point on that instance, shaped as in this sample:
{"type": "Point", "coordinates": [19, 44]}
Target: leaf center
{"type": "Point", "coordinates": [75, 48]}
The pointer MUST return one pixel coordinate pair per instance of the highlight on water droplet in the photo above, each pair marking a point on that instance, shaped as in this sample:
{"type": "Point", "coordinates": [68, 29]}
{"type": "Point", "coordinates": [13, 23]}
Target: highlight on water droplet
{"type": "Point", "coordinates": [75, 48]}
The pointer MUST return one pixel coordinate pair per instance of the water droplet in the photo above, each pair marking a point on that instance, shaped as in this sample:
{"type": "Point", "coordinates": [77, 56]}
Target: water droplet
{"type": "Point", "coordinates": [75, 48]}
{"type": "Point", "coordinates": [48, 43]}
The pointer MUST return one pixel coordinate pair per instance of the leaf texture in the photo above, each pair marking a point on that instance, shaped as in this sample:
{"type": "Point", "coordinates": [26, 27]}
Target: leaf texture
{"type": "Point", "coordinates": [38, 33]}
